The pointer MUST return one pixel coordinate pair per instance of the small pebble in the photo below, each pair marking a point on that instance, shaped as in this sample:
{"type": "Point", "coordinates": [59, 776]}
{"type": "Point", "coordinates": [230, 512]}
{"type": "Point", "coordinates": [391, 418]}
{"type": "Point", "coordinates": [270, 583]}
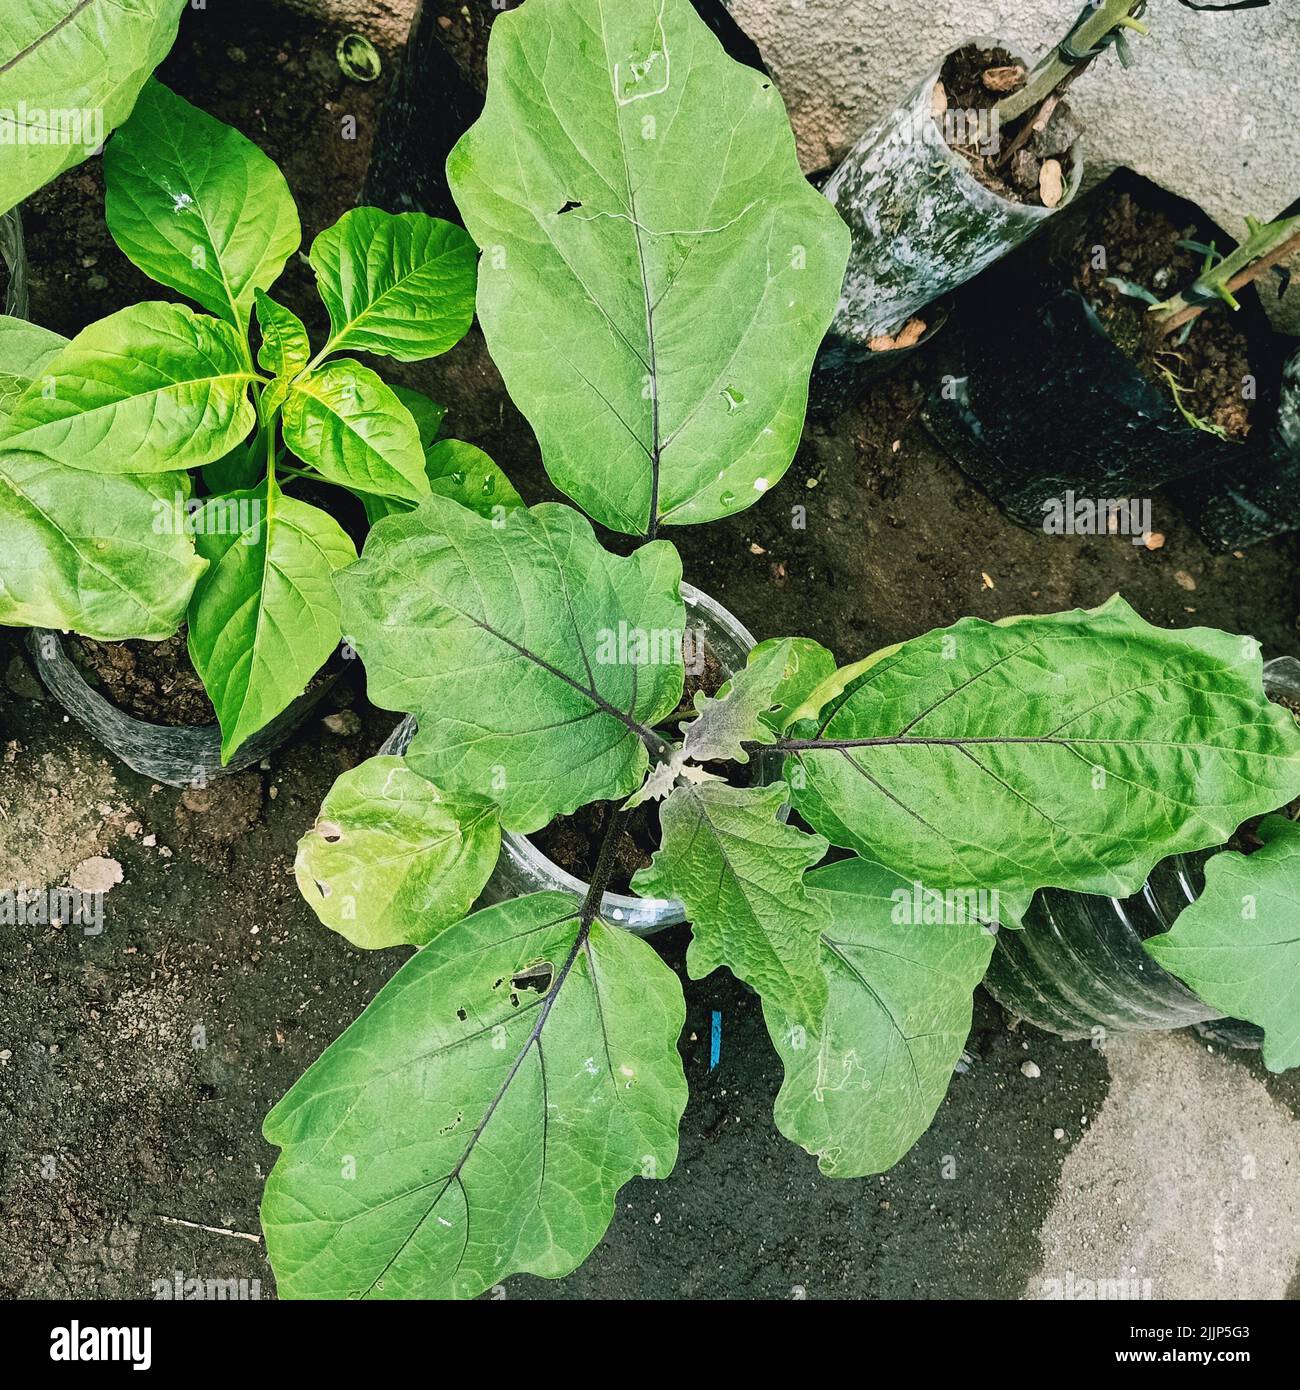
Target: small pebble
{"type": "Point", "coordinates": [1030, 1069]}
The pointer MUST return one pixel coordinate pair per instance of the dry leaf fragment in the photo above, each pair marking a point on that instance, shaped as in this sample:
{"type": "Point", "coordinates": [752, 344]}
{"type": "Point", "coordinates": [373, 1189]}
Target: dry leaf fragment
{"type": "Point", "coordinates": [1005, 79]}
{"type": "Point", "coordinates": [988, 580]}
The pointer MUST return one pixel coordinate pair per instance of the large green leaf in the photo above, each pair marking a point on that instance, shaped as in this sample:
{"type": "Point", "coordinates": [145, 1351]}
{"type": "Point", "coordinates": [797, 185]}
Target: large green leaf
{"type": "Point", "coordinates": [1073, 751]}
{"type": "Point", "coordinates": [25, 352]}
{"type": "Point", "coordinates": [196, 205]}
{"type": "Point", "coordinates": [479, 1117]}
{"type": "Point", "coordinates": [1238, 945]}
{"type": "Point", "coordinates": [391, 861]}
{"type": "Point", "coordinates": [397, 284]}
{"type": "Point", "coordinates": [265, 616]}
{"type": "Point", "coordinates": [657, 272]}
{"type": "Point", "coordinates": [151, 389]}
{"type": "Point", "coordinates": [461, 472]}
{"type": "Point", "coordinates": [66, 64]}
{"type": "Point", "coordinates": [343, 420]}
{"type": "Point", "coordinates": [740, 873]}
{"type": "Point", "coordinates": [106, 555]}
{"type": "Point", "coordinates": [535, 661]}
{"type": "Point", "coordinates": [862, 1087]}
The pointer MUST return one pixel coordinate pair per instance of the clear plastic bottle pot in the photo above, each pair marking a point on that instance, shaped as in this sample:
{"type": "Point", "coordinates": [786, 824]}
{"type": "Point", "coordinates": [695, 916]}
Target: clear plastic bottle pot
{"type": "Point", "coordinates": [922, 224]}
{"type": "Point", "coordinates": [523, 868]}
{"type": "Point", "coordinates": [1077, 966]}
{"type": "Point", "coordinates": [14, 254]}
{"type": "Point", "coordinates": [177, 755]}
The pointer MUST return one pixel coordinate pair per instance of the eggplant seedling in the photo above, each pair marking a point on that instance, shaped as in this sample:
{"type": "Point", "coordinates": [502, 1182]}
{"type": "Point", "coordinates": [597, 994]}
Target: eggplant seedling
{"type": "Point", "coordinates": [655, 277]}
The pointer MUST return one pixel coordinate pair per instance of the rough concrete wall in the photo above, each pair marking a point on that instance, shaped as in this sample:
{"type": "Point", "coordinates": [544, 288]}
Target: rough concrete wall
{"type": "Point", "coordinates": [1211, 108]}
{"type": "Point", "coordinates": [384, 22]}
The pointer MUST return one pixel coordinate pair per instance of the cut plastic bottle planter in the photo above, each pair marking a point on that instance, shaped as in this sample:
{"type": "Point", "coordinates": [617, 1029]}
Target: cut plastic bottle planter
{"type": "Point", "coordinates": [922, 224]}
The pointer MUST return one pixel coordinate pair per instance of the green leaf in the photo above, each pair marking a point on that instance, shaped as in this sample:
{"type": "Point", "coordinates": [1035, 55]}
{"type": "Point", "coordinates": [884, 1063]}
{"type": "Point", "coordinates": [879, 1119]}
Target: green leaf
{"type": "Point", "coordinates": [428, 415]}
{"type": "Point", "coordinates": [285, 349]}
{"type": "Point", "coordinates": [265, 616]}
{"type": "Point", "coordinates": [1072, 751]}
{"type": "Point", "coordinates": [106, 555]}
{"type": "Point", "coordinates": [25, 352]}
{"type": "Point", "coordinates": [807, 666]}
{"type": "Point", "coordinates": [462, 473]}
{"type": "Point", "coordinates": [71, 69]}
{"type": "Point", "coordinates": [535, 661]}
{"type": "Point", "coordinates": [657, 272]}
{"type": "Point", "coordinates": [242, 468]}
{"type": "Point", "coordinates": [861, 1088]}
{"type": "Point", "coordinates": [1238, 947]}
{"type": "Point", "coordinates": [153, 388]}
{"type": "Point", "coordinates": [740, 872]}
{"type": "Point", "coordinates": [737, 714]}
{"type": "Point", "coordinates": [391, 861]}
{"type": "Point", "coordinates": [397, 284]}
{"type": "Point", "coordinates": [478, 1119]}
{"type": "Point", "coordinates": [352, 429]}
{"type": "Point", "coordinates": [197, 206]}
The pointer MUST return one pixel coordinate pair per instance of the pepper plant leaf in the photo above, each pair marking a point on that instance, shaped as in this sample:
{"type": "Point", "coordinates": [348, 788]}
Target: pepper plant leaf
{"type": "Point", "coordinates": [397, 284]}
{"type": "Point", "coordinates": [536, 662]}
{"type": "Point", "coordinates": [1238, 945]}
{"type": "Point", "coordinates": [197, 206]}
{"type": "Point", "coordinates": [343, 420]}
{"type": "Point", "coordinates": [391, 861]}
{"type": "Point", "coordinates": [862, 1086]}
{"type": "Point", "coordinates": [25, 351]}
{"type": "Point", "coordinates": [428, 415]}
{"type": "Point", "coordinates": [265, 616]}
{"type": "Point", "coordinates": [107, 555]}
{"type": "Point", "coordinates": [153, 388]}
{"type": "Point", "coordinates": [285, 349]}
{"type": "Point", "coordinates": [460, 472]}
{"type": "Point", "coordinates": [478, 1119]}
{"type": "Point", "coordinates": [657, 272]}
{"type": "Point", "coordinates": [83, 63]}
{"type": "Point", "coordinates": [740, 872]}
{"type": "Point", "coordinates": [1073, 751]}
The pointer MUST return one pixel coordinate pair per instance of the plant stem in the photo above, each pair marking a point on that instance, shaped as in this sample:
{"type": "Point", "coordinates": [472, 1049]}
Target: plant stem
{"type": "Point", "coordinates": [1262, 249]}
{"type": "Point", "coordinates": [600, 875]}
{"type": "Point", "coordinates": [1052, 70]}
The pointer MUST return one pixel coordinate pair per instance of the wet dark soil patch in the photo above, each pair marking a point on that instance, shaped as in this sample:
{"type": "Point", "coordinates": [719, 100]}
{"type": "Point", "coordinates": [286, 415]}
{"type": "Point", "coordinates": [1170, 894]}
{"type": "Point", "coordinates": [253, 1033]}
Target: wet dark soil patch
{"type": "Point", "coordinates": [153, 681]}
{"type": "Point", "coordinates": [1113, 238]}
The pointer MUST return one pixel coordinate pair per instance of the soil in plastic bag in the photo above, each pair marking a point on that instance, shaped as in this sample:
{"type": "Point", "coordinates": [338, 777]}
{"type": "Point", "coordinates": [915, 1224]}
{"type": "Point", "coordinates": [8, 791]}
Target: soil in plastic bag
{"type": "Point", "coordinates": [976, 79]}
{"type": "Point", "coordinates": [153, 681]}
{"type": "Point", "coordinates": [1233, 507]}
{"type": "Point", "coordinates": [1054, 382]}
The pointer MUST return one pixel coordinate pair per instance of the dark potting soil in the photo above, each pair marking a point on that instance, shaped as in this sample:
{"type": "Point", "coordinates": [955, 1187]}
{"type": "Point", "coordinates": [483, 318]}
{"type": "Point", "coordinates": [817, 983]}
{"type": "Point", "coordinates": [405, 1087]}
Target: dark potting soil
{"type": "Point", "coordinates": [1140, 245]}
{"type": "Point", "coordinates": [153, 681]}
{"type": "Point", "coordinates": [1029, 170]}
{"type": "Point", "coordinates": [573, 842]}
